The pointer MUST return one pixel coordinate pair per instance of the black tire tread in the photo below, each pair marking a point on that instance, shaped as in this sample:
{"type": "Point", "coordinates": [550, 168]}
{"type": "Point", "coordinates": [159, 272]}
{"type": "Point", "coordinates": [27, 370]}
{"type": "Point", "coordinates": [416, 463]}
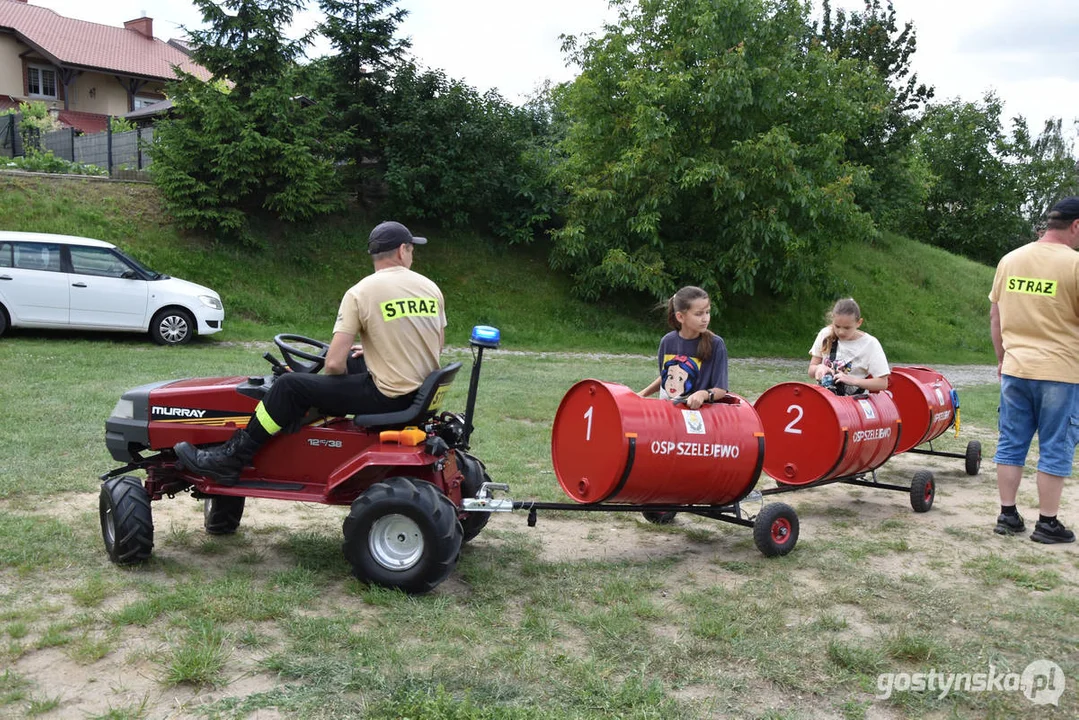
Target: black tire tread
{"type": "Point", "coordinates": [133, 519]}
{"type": "Point", "coordinates": [475, 474]}
{"type": "Point", "coordinates": [922, 479]}
{"type": "Point", "coordinates": [762, 529]}
{"type": "Point", "coordinates": [155, 323]}
{"type": "Point", "coordinates": [441, 550]}
{"type": "Point", "coordinates": [222, 514]}
{"type": "Point", "coordinates": [974, 457]}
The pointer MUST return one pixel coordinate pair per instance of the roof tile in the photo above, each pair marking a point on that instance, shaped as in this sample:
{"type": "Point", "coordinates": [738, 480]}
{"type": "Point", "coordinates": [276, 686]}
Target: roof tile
{"type": "Point", "coordinates": [91, 45]}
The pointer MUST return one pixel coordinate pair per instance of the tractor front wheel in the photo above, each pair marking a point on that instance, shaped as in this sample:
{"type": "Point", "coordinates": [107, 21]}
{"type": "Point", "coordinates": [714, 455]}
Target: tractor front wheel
{"type": "Point", "coordinates": [402, 533]}
{"type": "Point", "coordinates": [127, 526]}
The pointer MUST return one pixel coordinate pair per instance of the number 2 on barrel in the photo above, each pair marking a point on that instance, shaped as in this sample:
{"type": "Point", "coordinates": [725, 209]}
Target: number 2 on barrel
{"type": "Point", "coordinates": [797, 411]}
{"type": "Point", "coordinates": [588, 427]}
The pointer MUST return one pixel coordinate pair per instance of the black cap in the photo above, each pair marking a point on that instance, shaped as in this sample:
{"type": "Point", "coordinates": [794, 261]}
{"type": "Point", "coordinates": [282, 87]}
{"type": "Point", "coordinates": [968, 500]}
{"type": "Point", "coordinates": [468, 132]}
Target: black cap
{"type": "Point", "coordinates": [1066, 209]}
{"type": "Point", "coordinates": [388, 236]}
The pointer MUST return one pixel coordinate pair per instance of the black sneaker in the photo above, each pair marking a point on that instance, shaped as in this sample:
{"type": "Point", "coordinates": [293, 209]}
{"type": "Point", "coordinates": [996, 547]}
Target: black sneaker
{"type": "Point", "coordinates": [1009, 524]}
{"type": "Point", "coordinates": [1048, 534]}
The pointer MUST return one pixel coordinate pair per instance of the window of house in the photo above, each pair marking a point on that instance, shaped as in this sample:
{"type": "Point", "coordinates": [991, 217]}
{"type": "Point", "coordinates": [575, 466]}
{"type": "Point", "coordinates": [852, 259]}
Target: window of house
{"type": "Point", "coordinates": [40, 81]}
{"type": "Point", "coordinates": [142, 101]}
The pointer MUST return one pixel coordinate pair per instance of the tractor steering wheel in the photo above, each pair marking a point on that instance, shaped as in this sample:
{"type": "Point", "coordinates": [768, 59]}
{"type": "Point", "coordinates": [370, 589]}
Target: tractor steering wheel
{"type": "Point", "coordinates": [291, 353]}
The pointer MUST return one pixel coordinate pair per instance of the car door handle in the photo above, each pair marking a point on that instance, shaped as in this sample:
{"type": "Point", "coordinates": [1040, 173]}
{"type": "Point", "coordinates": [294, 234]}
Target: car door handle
{"type": "Point", "coordinates": [80, 284]}
{"type": "Point", "coordinates": [5, 277]}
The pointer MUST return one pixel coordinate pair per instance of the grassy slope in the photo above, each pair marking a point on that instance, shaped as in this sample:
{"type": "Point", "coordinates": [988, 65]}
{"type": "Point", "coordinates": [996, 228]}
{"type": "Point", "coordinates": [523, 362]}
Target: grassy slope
{"type": "Point", "coordinates": [924, 304]}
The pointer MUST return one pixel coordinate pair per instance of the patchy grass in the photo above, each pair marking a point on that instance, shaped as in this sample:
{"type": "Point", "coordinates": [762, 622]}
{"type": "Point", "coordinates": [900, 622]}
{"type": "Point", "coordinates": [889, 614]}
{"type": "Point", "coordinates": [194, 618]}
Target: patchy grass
{"type": "Point", "coordinates": [587, 615]}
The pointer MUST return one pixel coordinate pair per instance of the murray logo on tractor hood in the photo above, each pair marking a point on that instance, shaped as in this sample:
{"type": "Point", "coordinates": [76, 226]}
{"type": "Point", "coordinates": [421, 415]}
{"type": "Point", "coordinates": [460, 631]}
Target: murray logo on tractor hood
{"type": "Point", "coordinates": [159, 411]}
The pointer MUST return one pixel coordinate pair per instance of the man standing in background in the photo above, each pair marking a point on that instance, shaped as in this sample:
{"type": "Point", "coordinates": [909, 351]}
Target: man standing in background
{"type": "Point", "coordinates": [1034, 320]}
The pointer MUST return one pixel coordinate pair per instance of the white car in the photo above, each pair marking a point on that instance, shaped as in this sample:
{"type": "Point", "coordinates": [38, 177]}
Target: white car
{"type": "Point", "coordinates": [61, 281]}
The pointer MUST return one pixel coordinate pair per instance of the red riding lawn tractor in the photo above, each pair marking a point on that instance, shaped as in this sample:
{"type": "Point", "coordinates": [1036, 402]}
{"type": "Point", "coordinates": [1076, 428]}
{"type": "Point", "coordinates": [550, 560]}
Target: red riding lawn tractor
{"type": "Point", "coordinates": [405, 488]}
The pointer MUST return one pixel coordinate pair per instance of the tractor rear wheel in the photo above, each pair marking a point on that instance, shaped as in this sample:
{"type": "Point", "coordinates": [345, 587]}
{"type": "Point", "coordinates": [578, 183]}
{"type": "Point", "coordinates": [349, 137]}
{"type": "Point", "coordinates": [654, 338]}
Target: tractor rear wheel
{"type": "Point", "coordinates": [475, 475]}
{"type": "Point", "coordinates": [402, 533]}
{"type": "Point", "coordinates": [127, 525]}
{"type": "Point", "coordinates": [221, 514]}
{"type": "Point", "coordinates": [775, 531]}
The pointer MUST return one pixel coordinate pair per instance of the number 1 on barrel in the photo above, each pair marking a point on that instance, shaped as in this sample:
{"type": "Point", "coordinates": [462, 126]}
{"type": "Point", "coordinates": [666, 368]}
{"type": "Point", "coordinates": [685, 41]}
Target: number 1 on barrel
{"type": "Point", "coordinates": [588, 427]}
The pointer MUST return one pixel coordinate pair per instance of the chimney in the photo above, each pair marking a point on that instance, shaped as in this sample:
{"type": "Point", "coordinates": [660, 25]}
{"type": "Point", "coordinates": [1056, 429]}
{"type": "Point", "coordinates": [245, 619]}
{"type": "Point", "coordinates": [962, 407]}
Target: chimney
{"type": "Point", "coordinates": [143, 26]}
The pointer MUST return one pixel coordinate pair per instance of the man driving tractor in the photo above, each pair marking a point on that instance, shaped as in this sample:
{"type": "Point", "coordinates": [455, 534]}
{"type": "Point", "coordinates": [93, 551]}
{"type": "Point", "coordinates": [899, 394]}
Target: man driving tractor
{"type": "Point", "coordinates": [400, 318]}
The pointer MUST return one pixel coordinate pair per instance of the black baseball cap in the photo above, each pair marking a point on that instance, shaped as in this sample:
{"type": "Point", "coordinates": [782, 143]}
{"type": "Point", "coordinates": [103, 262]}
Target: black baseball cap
{"type": "Point", "coordinates": [1066, 209]}
{"type": "Point", "coordinates": [389, 235]}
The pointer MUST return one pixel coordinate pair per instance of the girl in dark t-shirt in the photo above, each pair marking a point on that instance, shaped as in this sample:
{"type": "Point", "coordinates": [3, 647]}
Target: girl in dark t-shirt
{"type": "Point", "coordinates": [692, 359]}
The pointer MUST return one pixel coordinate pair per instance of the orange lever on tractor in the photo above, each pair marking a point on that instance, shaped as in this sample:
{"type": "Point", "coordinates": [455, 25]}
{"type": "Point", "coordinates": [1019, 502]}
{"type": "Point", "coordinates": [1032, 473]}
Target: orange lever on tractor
{"type": "Point", "coordinates": [409, 436]}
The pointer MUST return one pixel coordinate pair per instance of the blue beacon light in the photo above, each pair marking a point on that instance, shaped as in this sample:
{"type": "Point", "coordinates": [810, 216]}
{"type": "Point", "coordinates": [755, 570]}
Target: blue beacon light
{"type": "Point", "coordinates": [486, 336]}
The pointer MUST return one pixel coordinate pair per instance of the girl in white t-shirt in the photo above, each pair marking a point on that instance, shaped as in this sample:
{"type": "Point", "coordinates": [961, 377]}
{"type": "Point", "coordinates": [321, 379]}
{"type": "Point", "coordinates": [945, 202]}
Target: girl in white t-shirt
{"type": "Point", "coordinates": [858, 359]}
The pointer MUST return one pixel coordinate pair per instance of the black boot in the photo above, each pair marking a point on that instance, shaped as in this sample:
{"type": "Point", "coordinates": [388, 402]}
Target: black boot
{"type": "Point", "coordinates": [223, 462]}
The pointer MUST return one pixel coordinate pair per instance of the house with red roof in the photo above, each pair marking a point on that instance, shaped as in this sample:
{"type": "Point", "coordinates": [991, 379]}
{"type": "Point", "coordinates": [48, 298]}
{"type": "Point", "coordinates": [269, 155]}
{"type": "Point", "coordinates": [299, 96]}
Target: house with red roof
{"type": "Point", "coordinates": [85, 72]}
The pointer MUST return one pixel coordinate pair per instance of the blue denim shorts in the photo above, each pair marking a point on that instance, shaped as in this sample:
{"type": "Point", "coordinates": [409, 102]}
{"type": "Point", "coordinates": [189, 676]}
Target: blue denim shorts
{"type": "Point", "coordinates": [1048, 407]}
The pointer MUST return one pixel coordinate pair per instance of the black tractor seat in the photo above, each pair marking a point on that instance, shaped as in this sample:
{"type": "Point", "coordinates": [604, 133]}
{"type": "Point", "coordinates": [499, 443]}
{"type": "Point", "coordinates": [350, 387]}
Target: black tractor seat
{"type": "Point", "coordinates": [426, 403]}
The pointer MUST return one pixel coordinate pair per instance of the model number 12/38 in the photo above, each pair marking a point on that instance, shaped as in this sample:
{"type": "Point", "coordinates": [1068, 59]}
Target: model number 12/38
{"type": "Point", "coordinates": [320, 442]}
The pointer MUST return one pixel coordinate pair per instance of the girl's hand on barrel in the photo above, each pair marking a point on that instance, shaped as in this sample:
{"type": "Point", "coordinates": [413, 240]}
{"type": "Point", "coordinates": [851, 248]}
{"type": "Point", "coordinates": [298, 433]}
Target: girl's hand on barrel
{"type": "Point", "coordinates": [694, 401]}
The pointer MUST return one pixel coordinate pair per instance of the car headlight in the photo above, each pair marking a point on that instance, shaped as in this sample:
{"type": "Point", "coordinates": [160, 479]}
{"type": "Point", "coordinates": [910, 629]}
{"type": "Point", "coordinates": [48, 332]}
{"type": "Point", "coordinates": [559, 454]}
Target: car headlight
{"type": "Point", "coordinates": [210, 301]}
{"type": "Point", "coordinates": [124, 409]}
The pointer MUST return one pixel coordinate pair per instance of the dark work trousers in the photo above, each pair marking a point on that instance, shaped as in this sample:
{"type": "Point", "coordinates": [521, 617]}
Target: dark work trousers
{"type": "Point", "coordinates": [293, 394]}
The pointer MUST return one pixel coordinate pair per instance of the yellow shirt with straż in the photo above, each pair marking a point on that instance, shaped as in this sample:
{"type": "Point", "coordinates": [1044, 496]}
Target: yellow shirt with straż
{"type": "Point", "coordinates": [1036, 289]}
{"type": "Point", "coordinates": [398, 316]}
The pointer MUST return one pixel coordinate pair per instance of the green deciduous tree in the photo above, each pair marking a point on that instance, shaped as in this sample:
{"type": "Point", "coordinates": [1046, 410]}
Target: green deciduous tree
{"type": "Point", "coordinates": [1050, 169]}
{"type": "Point", "coordinates": [898, 181]}
{"type": "Point", "coordinates": [456, 157]}
{"type": "Point", "coordinates": [990, 186]}
{"type": "Point", "coordinates": [244, 144]}
{"type": "Point", "coordinates": [975, 204]}
{"type": "Point", "coordinates": [706, 145]}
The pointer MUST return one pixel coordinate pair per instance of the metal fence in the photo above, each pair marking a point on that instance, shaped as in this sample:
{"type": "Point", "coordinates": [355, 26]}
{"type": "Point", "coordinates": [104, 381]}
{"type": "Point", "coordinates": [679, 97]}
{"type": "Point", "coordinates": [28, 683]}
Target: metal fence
{"type": "Point", "coordinates": [115, 152]}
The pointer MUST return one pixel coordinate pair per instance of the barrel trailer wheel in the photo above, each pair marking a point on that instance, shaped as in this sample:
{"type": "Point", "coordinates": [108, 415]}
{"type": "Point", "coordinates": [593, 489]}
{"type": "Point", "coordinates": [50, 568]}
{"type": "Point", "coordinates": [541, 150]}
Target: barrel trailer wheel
{"type": "Point", "coordinates": [974, 457]}
{"type": "Point", "coordinates": [221, 514]}
{"type": "Point", "coordinates": [127, 525]}
{"type": "Point", "coordinates": [775, 530]}
{"type": "Point", "coordinates": [659, 518]}
{"type": "Point", "coordinates": [402, 533]}
{"type": "Point", "coordinates": [922, 491]}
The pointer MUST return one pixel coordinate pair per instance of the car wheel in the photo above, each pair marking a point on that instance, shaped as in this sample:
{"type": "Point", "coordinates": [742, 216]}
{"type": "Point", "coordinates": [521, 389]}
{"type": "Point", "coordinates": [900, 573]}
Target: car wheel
{"type": "Point", "coordinates": [127, 526]}
{"type": "Point", "coordinates": [402, 533]}
{"type": "Point", "coordinates": [172, 326]}
{"type": "Point", "coordinates": [3, 319]}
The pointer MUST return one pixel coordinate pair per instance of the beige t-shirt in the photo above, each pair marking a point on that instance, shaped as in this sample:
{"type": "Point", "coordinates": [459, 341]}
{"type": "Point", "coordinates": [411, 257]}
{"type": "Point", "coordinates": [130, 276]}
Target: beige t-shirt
{"type": "Point", "coordinates": [399, 316]}
{"type": "Point", "coordinates": [1036, 289]}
